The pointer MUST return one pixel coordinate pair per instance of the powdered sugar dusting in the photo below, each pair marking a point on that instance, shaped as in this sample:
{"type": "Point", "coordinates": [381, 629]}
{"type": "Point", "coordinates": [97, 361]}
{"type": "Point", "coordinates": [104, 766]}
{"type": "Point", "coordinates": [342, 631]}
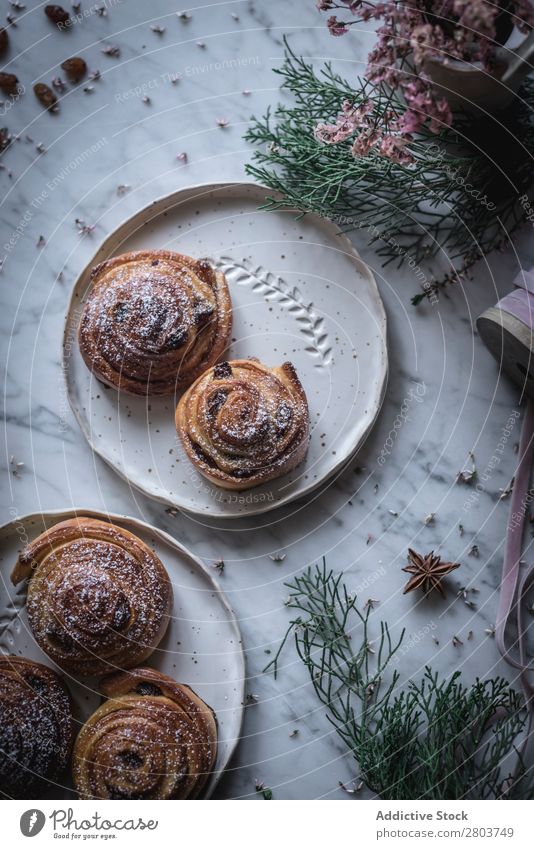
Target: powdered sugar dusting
{"type": "Point", "coordinates": [150, 321]}
{"type": "Point", "coordinates": [152, 746]}
{"type": "Point", "coordinates": [246, 419]}
{"type": "Point", "coordinates": [35, 726]}
{"type": "Point", "coordinates": [95, 603]}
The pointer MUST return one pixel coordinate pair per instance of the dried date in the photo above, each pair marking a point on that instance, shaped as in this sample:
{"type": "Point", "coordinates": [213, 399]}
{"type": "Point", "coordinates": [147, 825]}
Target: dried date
{"type": "Point", "coordinates": [4, 40]}
{"type": "Point", "coordinates": [45, 96]}
{"type": "Point", "coordinates": [56, 14]}
{"type": "Point", "coordinates": [9, 84]}
{"type": "Point", "coordinates": [75, 68]}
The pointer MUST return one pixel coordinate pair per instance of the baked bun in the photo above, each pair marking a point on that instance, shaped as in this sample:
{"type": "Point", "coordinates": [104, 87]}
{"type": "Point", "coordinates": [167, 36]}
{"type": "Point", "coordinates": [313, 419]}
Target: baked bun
{"type": "Point", "coordinates": [151, 739]}
{"type": "Point", "coordinates": [98, 597]}
{"type": "Point", "coordinates": [243, 424]}
{"type": "Point", "coordinates": [153, 321]}
{"type": "Point", "coordinates": [36, 731]}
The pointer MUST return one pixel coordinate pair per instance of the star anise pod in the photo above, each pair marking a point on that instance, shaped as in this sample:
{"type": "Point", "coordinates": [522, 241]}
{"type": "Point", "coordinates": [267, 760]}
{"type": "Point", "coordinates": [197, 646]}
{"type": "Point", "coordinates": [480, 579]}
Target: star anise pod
{"type": "Point", "coordinates": [428, 570]}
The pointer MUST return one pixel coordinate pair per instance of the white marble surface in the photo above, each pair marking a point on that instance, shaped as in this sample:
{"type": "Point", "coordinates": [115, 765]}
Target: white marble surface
{"type": "Point", "coordinates": [463, 403]}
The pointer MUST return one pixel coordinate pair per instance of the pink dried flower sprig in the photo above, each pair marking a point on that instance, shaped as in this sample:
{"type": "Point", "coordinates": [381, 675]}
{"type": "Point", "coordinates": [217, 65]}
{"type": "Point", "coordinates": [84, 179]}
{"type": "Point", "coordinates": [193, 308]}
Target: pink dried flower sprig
{"type": "Point", "coordinates": [411, 33]}
{"type": "Point", "coordinates": [359, 121]}
{"type": "Point", "coordinates": [346, 124]}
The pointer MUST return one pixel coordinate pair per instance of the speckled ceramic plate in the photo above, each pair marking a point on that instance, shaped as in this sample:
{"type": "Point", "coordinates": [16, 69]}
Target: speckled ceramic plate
{"type": "Point", "coordinates": [202, 645]}
{"type": "Point", "coordinates": [299, 291]}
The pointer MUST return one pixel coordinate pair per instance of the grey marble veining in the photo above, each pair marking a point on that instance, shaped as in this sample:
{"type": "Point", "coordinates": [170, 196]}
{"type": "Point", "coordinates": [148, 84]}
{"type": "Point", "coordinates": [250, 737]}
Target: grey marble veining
{"type": "Point", "coordinates": [366, 519]}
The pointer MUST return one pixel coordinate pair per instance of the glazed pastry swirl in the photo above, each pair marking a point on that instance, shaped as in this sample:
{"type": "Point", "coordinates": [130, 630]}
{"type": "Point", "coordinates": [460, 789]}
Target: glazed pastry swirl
{"type": "Point", "coordinates": [98, 597]}
{"type": "Point", "coordinates": [152, 739]}
{"type": "Point", "coordinates": [153, 321]}
{"type": "Point", "coordinates": [242, 423]}
{"type": "Point", "coordinates": [35, 727]}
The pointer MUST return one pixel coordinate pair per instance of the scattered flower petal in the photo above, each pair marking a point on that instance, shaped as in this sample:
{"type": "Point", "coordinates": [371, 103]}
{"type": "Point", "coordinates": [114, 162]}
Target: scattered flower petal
{"type": "Point", "coordinates": [354, 787]}
{"type": "Point", "coordinates": [218, 565]}
{"type": "Point", "coordinates": [111, 50]}
{"type": "Point", "coordinates": [83, 228]}
{"type": "Point", "coordinates": [266, 792]}
{"type": "Point", "coordinates": [507, 491]}
{"type": "Point", "coordinates": [58, 84]}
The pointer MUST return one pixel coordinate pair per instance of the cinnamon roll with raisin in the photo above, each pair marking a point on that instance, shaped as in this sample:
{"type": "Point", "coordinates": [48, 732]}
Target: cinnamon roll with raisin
{"type": "Point", "coordinates": [243, 424]}
{"type": "Point", "coordinates": [98, 597]}
{"type": "Point", "coordinates": [151, 739]}
{"type": "Point", "coordinates": [153, 321]}
{"type": "Point", "coordinates": [36, 731]}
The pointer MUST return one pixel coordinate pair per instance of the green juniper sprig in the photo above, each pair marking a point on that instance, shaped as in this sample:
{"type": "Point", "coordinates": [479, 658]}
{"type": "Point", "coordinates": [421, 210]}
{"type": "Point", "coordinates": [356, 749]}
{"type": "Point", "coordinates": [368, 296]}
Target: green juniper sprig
{"type": "Point", "coordinates": [456, 203]}
{"type": "Point", "coordinates": [436, 739]}
{"type": "Point", "coordinates": [323, 642]}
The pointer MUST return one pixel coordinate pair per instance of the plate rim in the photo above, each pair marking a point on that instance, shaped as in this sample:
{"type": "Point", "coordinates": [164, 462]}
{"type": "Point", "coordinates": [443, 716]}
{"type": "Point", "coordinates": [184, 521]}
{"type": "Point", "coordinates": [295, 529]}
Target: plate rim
{"type": "Point", "coordinates": [69, 512]}
{"type": "Point", "coordinates": [265, 507]}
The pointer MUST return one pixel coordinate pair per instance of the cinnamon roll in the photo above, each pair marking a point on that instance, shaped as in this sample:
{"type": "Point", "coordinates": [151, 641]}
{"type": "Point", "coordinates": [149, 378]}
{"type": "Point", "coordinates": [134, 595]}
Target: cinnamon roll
{"type": "Point", "coordinates": [242, 423]}
{"type": "Point", "coordinates": [35, 729]}
{"type": "Point", "coordinates": [151, 739]}
{"type": "Point", "coordinates": [98, 597]}
{"type": "Point", "coordinates": [154, 321]}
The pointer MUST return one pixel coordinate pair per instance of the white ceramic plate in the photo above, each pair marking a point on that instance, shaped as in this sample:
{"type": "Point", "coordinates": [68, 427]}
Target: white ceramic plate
{"type": "Point", "coordinates": [202, 645]}
{"type": "Point", "coordinates": [300, 292]}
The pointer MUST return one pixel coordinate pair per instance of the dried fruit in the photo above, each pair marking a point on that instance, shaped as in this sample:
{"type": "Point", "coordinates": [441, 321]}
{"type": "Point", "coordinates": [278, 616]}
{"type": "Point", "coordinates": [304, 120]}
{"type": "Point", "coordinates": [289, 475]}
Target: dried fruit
{"type": "Point", "coordinates": [56, 14]}
{"type": "Point", "coordinates": [75, 68]}
{"type": "Point", "coordinates": [9, 84]}
{"type": "Point", "coordinates": [45, 96]}
{"type": "Point", "coordinates": [4, 40]}
{"type": "Point", "coordinates": [5, 139]}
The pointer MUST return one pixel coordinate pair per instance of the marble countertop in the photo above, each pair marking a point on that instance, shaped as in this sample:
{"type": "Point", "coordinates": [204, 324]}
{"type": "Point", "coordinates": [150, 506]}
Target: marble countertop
{"type": "Point", "coordinates": [445, 396]}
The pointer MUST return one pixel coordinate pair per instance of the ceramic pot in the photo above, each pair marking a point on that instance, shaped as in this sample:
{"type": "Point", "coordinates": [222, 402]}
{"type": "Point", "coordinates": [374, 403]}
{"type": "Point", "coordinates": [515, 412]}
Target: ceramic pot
{"type": "Point", "coordinates": [468, 87]}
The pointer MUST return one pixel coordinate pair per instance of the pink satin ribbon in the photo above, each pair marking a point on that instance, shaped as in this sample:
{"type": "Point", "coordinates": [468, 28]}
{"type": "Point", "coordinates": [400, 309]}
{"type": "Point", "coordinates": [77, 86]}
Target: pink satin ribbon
{"type": "Point", "coordinates": [514, 586]}
{"type": "Point", "coordinates": [519, 303]}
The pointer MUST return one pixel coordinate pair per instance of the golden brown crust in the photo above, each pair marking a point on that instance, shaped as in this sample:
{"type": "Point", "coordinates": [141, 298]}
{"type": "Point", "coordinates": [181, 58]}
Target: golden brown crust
{"type": "Point", "coordinates": [152, 739]}
{"type": "Point", "coordinates": [153, 321]}
{"type": "Point", "coordinates": [243, 424]}
{"type": "Point", "coordinates": [98, 597]}
{"type": "Point", "coordinates": [36, 732]}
